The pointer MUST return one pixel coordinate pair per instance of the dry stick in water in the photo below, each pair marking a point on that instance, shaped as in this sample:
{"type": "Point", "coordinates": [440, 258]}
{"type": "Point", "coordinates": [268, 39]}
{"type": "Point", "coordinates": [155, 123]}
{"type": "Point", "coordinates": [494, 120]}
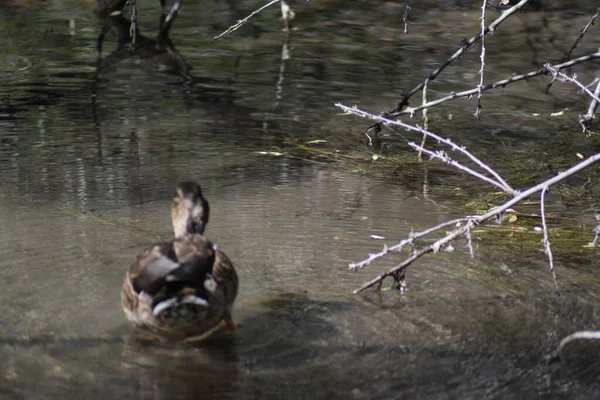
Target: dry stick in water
{"type": "Point", "coordinates": [241, 22]}
{"type": "Point", "coordinates": [133, 27]}
{"type": "Point", "coordinates": [564, 77]}
{"type": "Point", "coordinates": [546, 238]}
{"type": "Point", "coordinates": [482, 59]}
{"type": "Point", "coordinates": [405, 16]}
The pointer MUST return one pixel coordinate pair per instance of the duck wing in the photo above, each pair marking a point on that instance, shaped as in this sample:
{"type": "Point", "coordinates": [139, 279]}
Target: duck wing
{"type": "Point", "coordinates": [148, 273]}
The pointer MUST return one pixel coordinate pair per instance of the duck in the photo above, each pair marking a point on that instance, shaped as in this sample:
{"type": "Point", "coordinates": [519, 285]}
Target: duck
{"type": "Point", "coordinates": [182, 290]}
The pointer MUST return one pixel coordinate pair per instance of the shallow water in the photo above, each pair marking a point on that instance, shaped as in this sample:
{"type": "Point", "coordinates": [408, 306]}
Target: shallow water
{"type": "Point", "coordinates": [89, 158]}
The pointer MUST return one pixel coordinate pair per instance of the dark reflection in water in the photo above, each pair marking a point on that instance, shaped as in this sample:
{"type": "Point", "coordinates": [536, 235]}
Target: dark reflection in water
{"type": "Point", "coordinates": [90, 151]}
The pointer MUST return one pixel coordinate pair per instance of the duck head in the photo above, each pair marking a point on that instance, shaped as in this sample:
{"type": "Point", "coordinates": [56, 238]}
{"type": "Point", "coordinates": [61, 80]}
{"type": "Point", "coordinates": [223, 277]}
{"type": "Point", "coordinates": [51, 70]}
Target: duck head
{"type": "Point", "coordinates": [189, 211]}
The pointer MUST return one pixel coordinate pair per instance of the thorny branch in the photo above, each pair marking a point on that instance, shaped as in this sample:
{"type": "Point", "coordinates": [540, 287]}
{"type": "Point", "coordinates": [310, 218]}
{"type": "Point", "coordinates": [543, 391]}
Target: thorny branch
{"type": "Point", "coordinates": [469, 223]}
{"type": "Point", "coordinates": [585, 120]}
{"type": "Point", "coordinates": [582, 34]}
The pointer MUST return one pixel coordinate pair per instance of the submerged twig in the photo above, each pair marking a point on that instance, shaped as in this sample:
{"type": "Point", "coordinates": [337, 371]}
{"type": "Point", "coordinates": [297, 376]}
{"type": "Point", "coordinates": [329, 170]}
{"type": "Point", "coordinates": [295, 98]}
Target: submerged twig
{"type": "Point", "coordinates": [546, 238]}
{"type": "Point", "coordinates": [425, 124]}
{"type": "Point", "coordinates": [405, 16]}
{"type": "Point", "coordinates": [467, 44]}
{"type": "Point", "coordinates": [133, 28]}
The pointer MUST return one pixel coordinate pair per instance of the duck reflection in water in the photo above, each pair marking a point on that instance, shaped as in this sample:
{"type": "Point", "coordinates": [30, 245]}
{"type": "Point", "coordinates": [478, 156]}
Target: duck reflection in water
{"type": "Point", "coordinates": [209, 370]}
{"type": "Point", "coordinates": [158, 51]}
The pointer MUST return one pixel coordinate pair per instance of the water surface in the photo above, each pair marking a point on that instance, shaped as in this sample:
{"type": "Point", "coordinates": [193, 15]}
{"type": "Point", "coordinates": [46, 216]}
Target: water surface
{"type": "Point", "coordinates": [90, 153]}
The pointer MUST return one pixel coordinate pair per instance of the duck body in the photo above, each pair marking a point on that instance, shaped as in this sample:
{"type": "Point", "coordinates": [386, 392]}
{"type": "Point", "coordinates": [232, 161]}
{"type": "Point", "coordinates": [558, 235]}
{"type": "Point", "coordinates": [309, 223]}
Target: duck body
{"type": "Point", "coordinates": [185, 288]}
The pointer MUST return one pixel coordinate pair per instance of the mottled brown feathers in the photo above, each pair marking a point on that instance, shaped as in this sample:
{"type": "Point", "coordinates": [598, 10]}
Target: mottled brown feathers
{"type": "Point", "coordinates": [183, 288]}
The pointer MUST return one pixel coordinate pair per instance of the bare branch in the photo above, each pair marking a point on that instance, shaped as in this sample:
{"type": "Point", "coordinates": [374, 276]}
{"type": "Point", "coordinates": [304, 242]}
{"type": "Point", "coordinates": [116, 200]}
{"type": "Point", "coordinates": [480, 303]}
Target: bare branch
{"type": "Point", "coordinates": [241, 22]}
{"type": "Point", "coordinates": [425, 123]}
{"type": "Point", "coordinates": [582, 34]}
{"type": "Point", "coordinates": [482, 59]}
{"type": "Point", "coordinates": [133, 27]}
{"type": "Point", "coordinates": [434, 247]}
{"type": "Point", "coordinates": [468, 44]}
{"type": "Point", "coordinates": [470, 243]}
{"type": "Point", "coordinates": [470, 223]}
{"type": "Point", "coordinates": [467, 93]}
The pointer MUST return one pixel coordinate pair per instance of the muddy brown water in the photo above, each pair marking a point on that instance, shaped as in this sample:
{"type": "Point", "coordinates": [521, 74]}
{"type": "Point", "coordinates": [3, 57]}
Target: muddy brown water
{"type": "Point", "coordinates": [89, 156]}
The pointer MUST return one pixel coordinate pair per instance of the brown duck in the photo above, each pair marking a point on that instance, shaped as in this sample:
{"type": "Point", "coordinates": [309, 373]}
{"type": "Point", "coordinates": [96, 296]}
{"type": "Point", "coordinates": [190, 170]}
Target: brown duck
{"type": "Point", "coordinates": [183, 289]}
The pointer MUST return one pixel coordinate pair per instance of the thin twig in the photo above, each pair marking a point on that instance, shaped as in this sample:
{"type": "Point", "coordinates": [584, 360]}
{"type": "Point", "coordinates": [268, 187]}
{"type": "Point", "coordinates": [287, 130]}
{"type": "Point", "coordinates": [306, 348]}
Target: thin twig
{"type": "Point", "coordinates": [425, 123]}
{"type": "Point", "coordinates": [482, 59]}
{"type": "Point", "coordinates": [434, 247]}
{"type": "Point", "coordinates": [583, 32]}
{"type": "Point", "coordinates": [470, 243]}
{"type": "Point", "coordinates": [241, 22]}
{"type": "Point", "coordinates": [546, 238]}
{"type": "Point", "coordinates": [443, 157]}
{"type": "Point", "coordinates": [467, 45]}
